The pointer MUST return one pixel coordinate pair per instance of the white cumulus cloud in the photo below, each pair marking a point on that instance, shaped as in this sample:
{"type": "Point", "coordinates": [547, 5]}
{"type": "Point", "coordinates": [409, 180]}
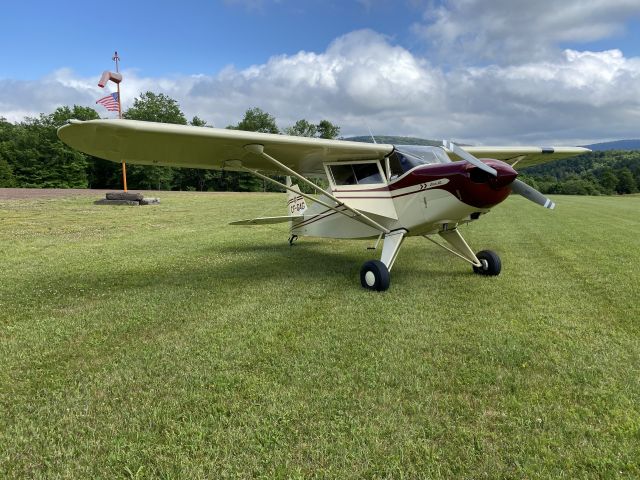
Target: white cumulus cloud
{"type": "Point", "coordinates": [365, 80]}
{"type": "Point", "coordinates": [506, 31]}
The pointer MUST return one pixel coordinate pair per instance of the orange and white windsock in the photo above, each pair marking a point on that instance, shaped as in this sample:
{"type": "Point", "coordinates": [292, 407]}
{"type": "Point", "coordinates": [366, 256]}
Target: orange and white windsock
{"type": "Point", "coordinates": [107, 75]}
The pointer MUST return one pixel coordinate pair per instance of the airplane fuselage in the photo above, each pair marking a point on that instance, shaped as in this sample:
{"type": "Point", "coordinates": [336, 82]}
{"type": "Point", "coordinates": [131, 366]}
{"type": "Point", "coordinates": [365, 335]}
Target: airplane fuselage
{"type": "Point", "coordinates": [419, 201]}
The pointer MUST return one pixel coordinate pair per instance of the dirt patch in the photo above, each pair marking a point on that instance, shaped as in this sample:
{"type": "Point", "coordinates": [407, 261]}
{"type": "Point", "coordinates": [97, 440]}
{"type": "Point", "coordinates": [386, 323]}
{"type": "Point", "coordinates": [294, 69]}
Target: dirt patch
{"type": "Point", "coordinates": [25, 193]}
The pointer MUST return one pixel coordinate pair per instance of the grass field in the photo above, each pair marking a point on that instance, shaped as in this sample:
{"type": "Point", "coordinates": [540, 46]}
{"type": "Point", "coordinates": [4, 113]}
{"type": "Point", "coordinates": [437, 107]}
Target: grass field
{"type": "Point", "coordinates": [158, 342]}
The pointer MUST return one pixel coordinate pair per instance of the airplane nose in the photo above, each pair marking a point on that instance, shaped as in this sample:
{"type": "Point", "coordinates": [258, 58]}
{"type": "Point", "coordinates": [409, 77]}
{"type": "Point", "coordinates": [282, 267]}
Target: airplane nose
{"type": "Point", "coordinates": [483, 189]}
{"type": "Point", "coordinates": [506, 174]}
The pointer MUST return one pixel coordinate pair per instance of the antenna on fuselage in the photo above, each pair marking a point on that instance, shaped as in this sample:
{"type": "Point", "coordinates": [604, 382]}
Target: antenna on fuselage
{"type": "Point", "coordinates": [370, 133]}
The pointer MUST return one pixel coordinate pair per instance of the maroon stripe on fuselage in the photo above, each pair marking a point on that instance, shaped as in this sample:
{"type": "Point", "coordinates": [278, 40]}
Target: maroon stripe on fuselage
{"type": "Point", "coordinates": [477, 194]}
{"type": "Point", "coordinates": [481, 194]}
{"type": "Point", "coordinates": [299, 197]}
{"type": "Point", "coordinates": [317, 217]}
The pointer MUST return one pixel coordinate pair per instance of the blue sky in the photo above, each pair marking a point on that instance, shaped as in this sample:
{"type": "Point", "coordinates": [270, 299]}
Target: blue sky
{"type": "Point", "coordinates": [394, 65]}
{"type": "Point", "coordinates": [197, 37]}
{"type": "Point", "coordinates": [191, 37]}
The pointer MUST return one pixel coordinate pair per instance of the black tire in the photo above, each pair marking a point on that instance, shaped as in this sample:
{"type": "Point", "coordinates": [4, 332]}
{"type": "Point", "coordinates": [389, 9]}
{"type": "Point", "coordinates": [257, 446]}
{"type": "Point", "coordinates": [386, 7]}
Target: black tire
{"type": "Point", "coordinates": [491, 264]}
{"type": "Point", "coordinates": [374, 275]}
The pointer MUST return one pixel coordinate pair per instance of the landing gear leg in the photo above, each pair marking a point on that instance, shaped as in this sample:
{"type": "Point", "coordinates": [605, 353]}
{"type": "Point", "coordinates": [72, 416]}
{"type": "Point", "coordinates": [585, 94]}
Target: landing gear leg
{"type": "Point", "coordinates": [374, 274]}
{"type": "Point", "coordinates": [292, 239]}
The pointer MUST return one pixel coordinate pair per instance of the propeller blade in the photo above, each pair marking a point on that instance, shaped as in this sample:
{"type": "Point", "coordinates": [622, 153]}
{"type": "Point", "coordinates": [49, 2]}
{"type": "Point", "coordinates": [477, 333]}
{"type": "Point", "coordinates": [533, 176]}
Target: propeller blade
{"type": "Point", "coordinates": [530, 193]}
{"type": "Point", "coordinates": [452, 147]}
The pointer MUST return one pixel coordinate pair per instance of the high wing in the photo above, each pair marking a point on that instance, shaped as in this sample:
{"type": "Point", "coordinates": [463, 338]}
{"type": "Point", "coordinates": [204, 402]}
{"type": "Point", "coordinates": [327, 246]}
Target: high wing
{"type": "Point", "coordinates": [150, 143]}
{"type": "Point", "coordinates": [523, 157]}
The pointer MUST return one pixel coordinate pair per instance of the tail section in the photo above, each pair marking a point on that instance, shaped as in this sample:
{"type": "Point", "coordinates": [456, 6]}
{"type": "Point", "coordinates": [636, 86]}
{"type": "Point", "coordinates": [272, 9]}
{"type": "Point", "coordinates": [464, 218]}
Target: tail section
{"type": "Point", "coordinates": [296, 205]}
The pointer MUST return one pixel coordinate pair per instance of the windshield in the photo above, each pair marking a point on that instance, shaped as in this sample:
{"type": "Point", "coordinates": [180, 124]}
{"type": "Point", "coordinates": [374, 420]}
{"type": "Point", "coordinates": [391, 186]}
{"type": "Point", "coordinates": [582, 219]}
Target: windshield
{"type": "Point", "coordinates": [406, 157]}
{"type": "Point", "coordinates": [426, 153]}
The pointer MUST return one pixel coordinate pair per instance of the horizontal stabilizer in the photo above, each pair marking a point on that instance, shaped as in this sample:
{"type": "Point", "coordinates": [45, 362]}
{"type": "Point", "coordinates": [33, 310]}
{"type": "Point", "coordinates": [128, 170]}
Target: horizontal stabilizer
{"type": "Point", "coordinates": [268, 220]}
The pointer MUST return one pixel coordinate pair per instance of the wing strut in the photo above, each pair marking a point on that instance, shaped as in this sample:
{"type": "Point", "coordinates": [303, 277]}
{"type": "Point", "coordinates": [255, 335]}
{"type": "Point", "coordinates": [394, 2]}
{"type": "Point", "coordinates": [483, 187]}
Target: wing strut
{"type": "Point", "coordinates": [453, 238]}
{"type": "Point", "coordinates": [313, 199]}
{"type": "Point", "coordinates": [358, 216]}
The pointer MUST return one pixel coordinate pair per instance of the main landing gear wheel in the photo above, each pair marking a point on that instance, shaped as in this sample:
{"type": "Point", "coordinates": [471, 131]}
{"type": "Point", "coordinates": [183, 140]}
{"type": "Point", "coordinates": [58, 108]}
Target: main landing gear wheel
{"type": "Point", "coordinates": [374, 275]}
{"type": "Point", "coordinates": [491, 264]}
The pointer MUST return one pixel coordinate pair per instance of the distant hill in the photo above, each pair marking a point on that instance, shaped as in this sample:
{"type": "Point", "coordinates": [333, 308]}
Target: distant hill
{"type": "Point", "coordinates": [617, 145]}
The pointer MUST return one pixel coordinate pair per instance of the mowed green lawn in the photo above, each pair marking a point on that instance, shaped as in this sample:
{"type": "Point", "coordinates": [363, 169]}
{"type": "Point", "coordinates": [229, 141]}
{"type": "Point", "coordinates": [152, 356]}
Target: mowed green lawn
{"type": "Point", "coordinates": [159, 342]}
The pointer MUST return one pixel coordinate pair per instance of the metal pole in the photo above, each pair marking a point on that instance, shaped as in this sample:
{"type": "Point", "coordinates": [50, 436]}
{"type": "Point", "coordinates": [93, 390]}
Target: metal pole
{"type": "Point", "coordinates": [116, 59]}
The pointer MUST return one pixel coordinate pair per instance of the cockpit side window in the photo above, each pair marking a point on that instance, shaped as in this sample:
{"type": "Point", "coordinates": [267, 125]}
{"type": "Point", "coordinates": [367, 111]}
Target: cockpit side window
{"type": "Point", "coordinates": [361, 173]}
{"type": "Point", "coordinates": [343, 175]}
{"type": "Point", "coordinates": [367, 173]}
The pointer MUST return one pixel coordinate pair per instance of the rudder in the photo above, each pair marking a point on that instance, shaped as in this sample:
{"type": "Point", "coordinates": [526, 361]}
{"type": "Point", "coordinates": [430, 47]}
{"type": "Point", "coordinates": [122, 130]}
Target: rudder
{"type": "Point", "coordinates": [295, 202]}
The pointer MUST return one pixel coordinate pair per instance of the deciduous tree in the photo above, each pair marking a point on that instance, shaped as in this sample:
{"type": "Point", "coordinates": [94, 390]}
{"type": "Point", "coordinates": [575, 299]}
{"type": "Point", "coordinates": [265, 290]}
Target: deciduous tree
{"type": "Point", "coordinates": [326, 129]}
{"type": "Point", "coordinates": [257, 120]}
{"type": "Point", "coordinates": [302, 128]}
{"type": "Point", "coordinates": [626, 182]}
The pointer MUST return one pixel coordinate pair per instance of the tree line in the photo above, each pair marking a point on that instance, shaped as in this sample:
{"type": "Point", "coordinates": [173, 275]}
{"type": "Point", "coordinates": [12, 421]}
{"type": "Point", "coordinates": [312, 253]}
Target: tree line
{"type": "Point", "coordinates": [596, 173]}
{"type": "Point", "coordinates": [32, 156]}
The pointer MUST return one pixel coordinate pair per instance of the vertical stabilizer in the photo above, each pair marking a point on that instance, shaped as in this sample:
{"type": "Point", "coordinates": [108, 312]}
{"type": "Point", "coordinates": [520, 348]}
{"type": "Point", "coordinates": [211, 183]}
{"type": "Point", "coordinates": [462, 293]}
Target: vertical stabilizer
{"type": "Point", "coordinates": [295, 202]}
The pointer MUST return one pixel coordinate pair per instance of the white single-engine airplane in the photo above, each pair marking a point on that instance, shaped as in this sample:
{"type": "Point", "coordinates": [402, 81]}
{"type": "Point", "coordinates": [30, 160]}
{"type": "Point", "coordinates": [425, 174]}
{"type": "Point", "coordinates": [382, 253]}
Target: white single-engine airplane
{"type": "Point", "coordinates": [375, 190]}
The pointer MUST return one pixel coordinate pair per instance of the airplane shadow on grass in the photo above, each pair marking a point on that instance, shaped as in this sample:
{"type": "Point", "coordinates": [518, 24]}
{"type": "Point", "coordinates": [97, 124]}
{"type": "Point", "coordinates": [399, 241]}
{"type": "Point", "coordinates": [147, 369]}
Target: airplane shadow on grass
{"type": "Point", "coordinates": [249, 265]}
{"type": "Point", "coordinates": [310, 259]}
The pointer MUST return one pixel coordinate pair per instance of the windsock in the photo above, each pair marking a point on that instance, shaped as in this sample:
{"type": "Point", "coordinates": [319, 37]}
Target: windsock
{"type": "Point", "coordinates": [107, 75]}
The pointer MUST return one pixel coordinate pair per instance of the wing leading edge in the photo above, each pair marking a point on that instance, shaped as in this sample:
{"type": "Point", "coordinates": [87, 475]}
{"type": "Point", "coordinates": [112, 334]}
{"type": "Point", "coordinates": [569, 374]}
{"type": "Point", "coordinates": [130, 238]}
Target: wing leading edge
{"type": "Point", "coordinates": [150, 143]}
{"type": "Point", "coordinates": [523, 157]}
